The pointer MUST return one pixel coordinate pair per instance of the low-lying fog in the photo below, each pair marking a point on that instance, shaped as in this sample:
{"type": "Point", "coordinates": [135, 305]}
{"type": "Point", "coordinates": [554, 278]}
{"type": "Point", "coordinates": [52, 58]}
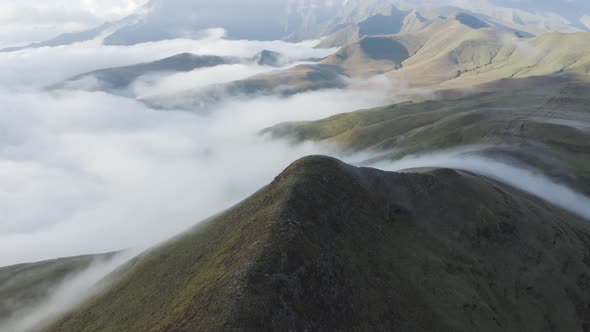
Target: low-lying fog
{"type": "Point", "coordinates": [87, 172]}
{"type": "Point", "coordinates": [90, 172]}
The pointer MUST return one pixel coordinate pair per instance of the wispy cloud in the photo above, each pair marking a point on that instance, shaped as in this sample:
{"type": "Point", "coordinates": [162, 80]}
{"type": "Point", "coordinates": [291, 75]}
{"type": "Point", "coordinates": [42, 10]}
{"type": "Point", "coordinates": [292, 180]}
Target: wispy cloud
{"type": "Point", "coordinates": [528, 180]}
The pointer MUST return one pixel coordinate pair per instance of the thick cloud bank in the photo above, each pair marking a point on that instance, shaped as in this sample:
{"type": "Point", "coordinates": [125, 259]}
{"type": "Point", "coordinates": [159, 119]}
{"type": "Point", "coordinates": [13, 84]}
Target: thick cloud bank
{"type": "Point", "coordinates": [90, 172]}
{"type": "Point", "coordinates": [87, 172]}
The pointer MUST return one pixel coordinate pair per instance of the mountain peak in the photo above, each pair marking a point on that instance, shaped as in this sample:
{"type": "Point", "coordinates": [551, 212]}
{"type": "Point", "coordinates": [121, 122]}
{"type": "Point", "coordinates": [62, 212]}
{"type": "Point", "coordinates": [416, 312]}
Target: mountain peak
{"type": "Point", "coordinates": [415, 14]}
{"type": "Point", "coordinates": [269, 58]}
{"type": "Point", "coordinates": [468, 20]}
{"type": "Point", "coordinates": [329, 246]}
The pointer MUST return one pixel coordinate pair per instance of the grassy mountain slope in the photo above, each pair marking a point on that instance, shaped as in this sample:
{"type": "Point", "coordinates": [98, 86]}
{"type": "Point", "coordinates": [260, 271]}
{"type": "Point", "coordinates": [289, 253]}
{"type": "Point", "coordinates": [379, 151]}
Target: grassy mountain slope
{"type": "Point", "coordinates": [113, 79]}
{"type": "Point", "coordinates": [331, 246]}
{"type": "Point", "coordinates": [457, 52]}
{"type": "Point", "coordinates": [547, 54]}
{"type": "Point", "coordinates": [461, 51]}
{"type": "Point", "coordinates": [541, 121]}
{"type": "Point", "coordinates": [26, 285]}
{"type": "Point", "coordinates": [429, 50]}
{"type": "Point", "coordinates": [374, 55]}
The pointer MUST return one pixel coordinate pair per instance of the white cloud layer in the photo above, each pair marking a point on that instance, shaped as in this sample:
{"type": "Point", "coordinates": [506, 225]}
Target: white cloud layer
{"type": "Point", "coordinates": [41, 67]}
{"type": "Point", "coordinates": [86, 172]}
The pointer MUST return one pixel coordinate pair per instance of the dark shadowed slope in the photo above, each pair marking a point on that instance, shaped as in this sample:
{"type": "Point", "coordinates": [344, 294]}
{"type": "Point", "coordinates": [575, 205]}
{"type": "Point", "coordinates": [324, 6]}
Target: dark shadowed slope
{"type": "Point", "coordinates": [119, 78]}
{"type": "Point", "coordinates": [329, 246]}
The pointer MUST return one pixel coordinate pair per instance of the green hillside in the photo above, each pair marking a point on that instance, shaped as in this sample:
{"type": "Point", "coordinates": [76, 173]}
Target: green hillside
{"type": "Point", "coordinates": [458, 52]}
{"type": "Point", "coordinates": [327, 246]}
{"type": "Point", "coordinates": [433, 50]}
{"type": "Point", "coordinates": [461, 51]}
{"type": "Point", "coordinates": [540, 121]}
{"type": "Point", "coordinates": [24, 286]}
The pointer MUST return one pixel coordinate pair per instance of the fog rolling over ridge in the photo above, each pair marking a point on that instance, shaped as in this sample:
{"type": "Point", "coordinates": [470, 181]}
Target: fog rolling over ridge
{"type": "Point", "coordinates": [528, 180]}
{"type": "Point", "coordinates": [407, 165]}
{"type": "Point", "coordinates": [102, 162]}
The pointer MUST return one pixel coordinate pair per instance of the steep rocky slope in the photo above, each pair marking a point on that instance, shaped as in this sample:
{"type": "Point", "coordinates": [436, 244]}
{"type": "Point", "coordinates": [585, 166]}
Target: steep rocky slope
{"type": "Point", "coordinates": [117, 79]}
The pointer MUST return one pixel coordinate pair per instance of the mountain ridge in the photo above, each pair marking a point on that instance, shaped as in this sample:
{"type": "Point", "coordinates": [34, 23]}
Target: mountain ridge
{"type": "Point", "coordinates": [536, 122]}
{"type": "Point", "coordinates": [383, 250]}
{"type": "Point", "coordinates": [116, 79]}
{"type": "Point", "coordinates": [449, 53]}
{"type": "Point", "coordinates": [290, 20]}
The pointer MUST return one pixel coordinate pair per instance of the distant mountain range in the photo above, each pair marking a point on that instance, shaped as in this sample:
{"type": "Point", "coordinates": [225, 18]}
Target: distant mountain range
{"type": "Point", "coordinates": [341, 21]}
{"type": "Point", "coordinates": [459, 51]}
{"type": "Point", "coordinates": [462, 50]}
{"type": "Point", "coordinates": [535, 16]}
{"type": "Point", "coordinates": [540, 123]}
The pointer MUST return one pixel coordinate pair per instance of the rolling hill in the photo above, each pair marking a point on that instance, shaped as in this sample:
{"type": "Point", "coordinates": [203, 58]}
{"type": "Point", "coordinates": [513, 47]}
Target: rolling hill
{"type": "Point", "coordinates": [541, 122]}
{"type": "Point", "coordinates": [457, 52]}
{"type": "Point", "coordinates": [331, 246]}
{"type": "Point", "coordinates": [462, 51]}
{"type": "Point", "coordinates": [116, 80]}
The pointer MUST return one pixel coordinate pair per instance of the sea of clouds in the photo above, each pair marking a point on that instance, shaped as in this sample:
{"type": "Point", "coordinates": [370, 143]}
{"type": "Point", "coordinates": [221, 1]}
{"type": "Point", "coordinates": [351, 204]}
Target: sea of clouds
{"type": "Point", "coordinates": [85, 172]}
{"type": "Point", "coordinates": [90, 172]}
